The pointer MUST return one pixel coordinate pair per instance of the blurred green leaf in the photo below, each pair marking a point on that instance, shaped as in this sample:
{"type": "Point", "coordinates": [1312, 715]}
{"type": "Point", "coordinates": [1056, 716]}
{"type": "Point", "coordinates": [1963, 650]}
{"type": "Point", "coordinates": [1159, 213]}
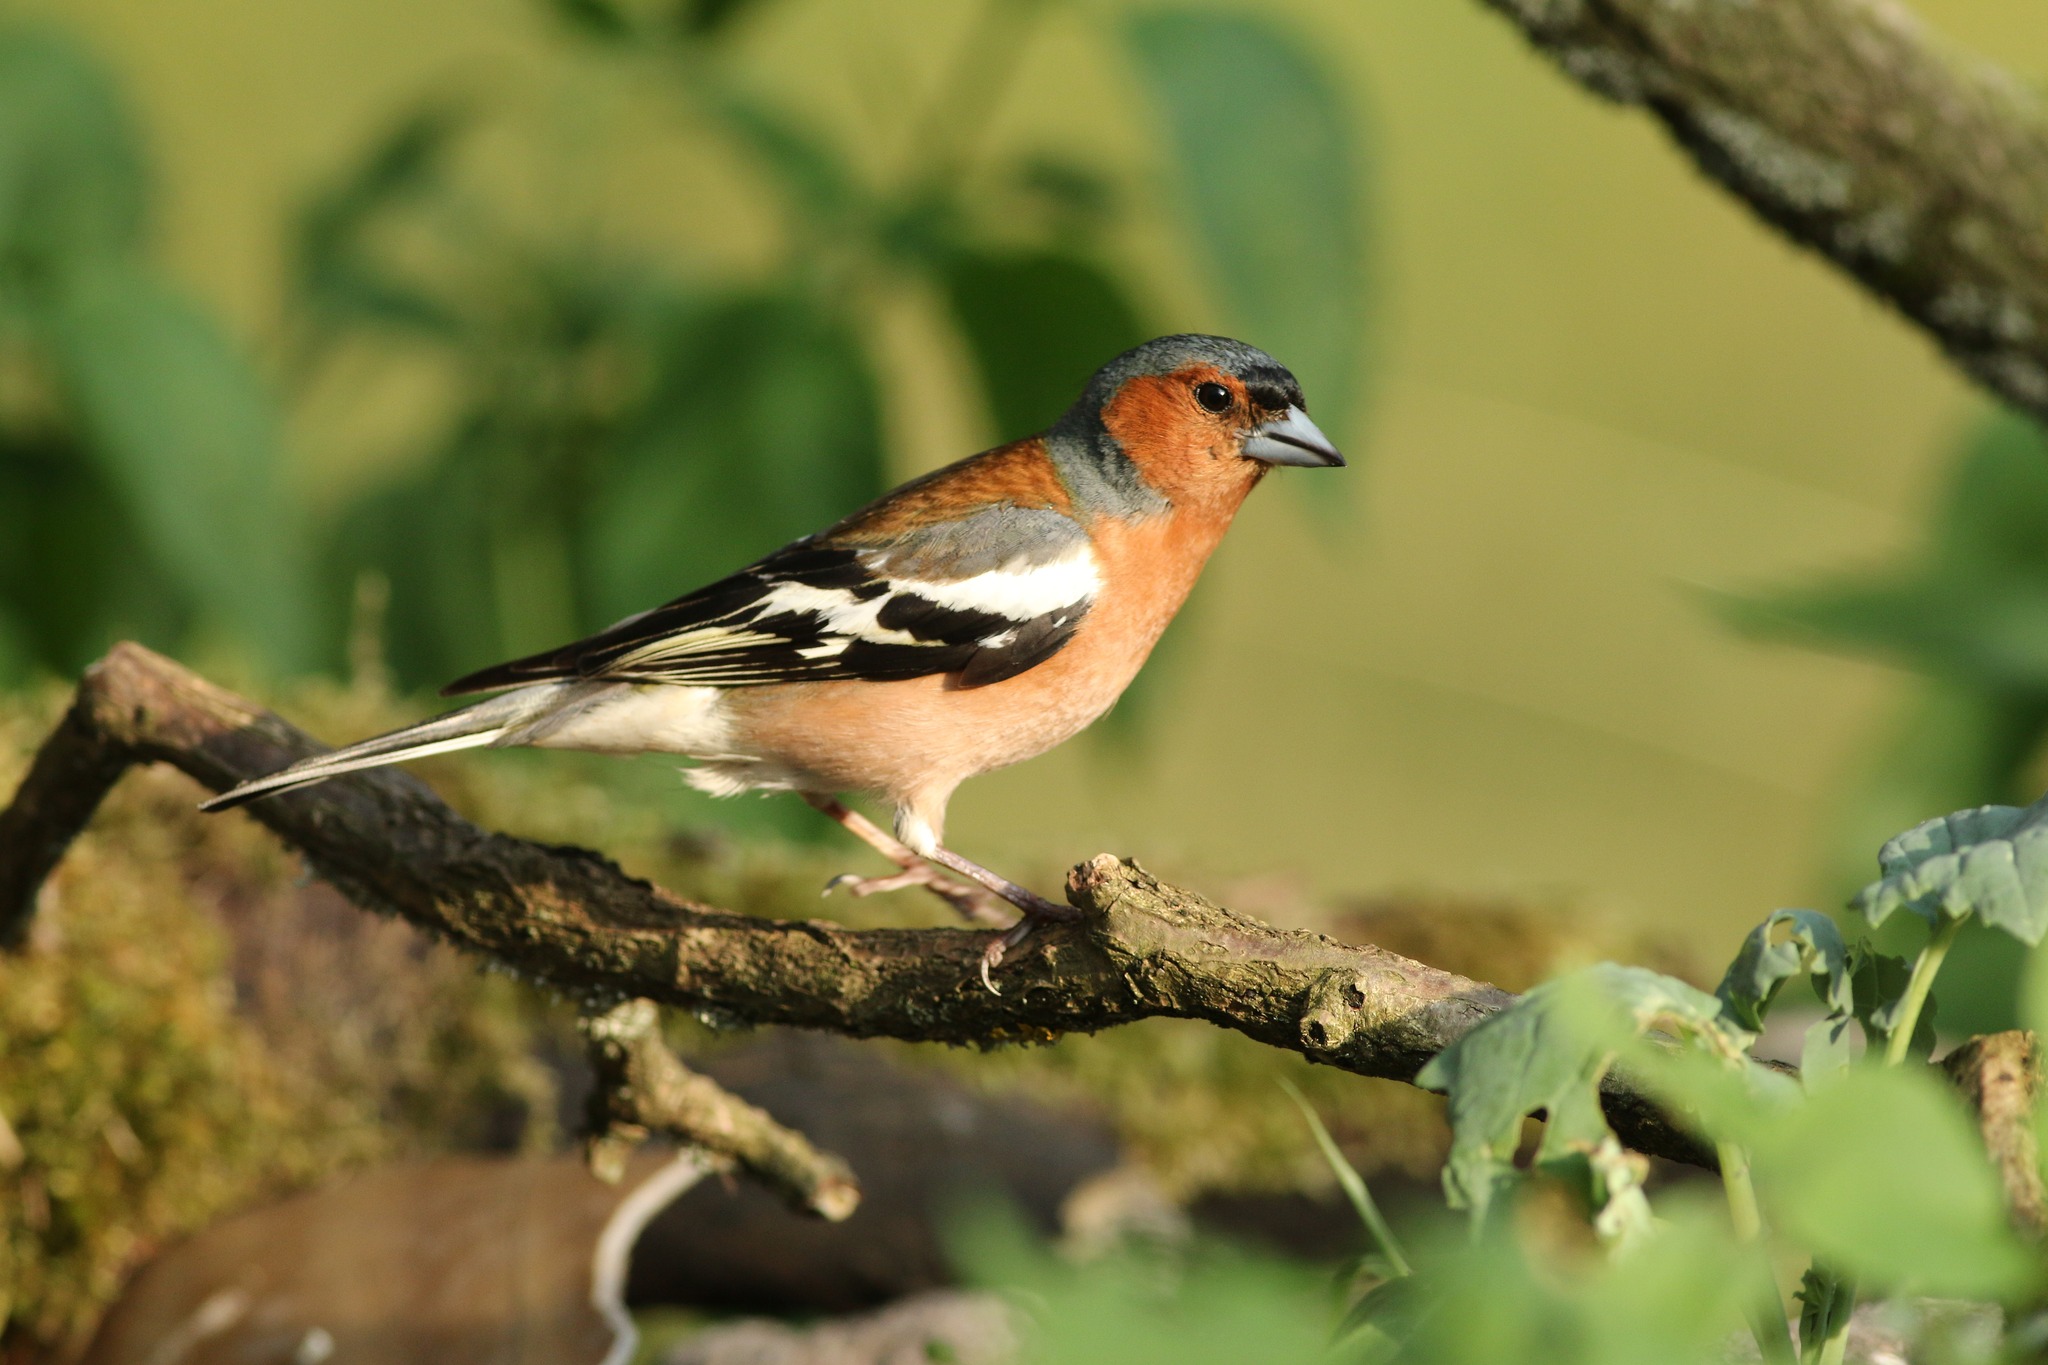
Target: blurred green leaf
{"type": "Point", "coordinates": [184, 430]}
{"type": "Point", "coordinates": [1496, 1298]}
{"type": "Point", "coordinates": [593, 18]}
{"type": "Point", "coordinates": [429, 538]}
{"type": "Point", "coordinates": [76, 573]}
{"type": "Point", "coordinates": [1991, 861]}
{"type": "Point", "coordinates": [71, 175]}
{"type": "Point", "coordinates": [342, 277]}
{"type": "Point", "coordinates": [1263, 144]}
{"type": "Point", "coordinates": [1788, 944]}
{"type": "Point", "coordinates": [765, 426]}
{"type": "Point", "coordinates": [1882, 1175]}
{"type": "Point", "coordinates": [1972, 605]}
{"type": "Point", "coordinates": [1038, 324]}
{"type": "Point", "coordinates": [825, 200]}
{"type": "Point", "coordinates": [710, 18]}
{"type": "Point", "coordinates": [1143, 1307]}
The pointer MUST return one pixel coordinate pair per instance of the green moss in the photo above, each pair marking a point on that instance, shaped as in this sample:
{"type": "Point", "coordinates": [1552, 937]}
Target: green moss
{"type": "Point", "coordinates": [190, 1029]}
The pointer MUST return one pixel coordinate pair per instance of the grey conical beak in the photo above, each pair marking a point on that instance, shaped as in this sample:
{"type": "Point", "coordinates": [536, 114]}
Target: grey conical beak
{"type": "Point", "coordinates": [1291, 439]}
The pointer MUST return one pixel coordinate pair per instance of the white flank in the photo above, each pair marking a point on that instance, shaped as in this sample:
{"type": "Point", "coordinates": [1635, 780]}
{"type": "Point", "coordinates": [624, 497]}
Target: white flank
{"type": "Point", "coordinates": [635, 718]}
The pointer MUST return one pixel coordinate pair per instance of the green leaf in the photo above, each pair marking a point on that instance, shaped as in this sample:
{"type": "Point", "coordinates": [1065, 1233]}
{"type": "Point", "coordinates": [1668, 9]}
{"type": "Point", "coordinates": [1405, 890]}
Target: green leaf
{"type": "Point", "coordinates": [1216, 1306]}
{"type": "Point", "coordinates": [710, 18]}
{"type": "Point", "coordinates": [1268, 163]}
{"type": "Point", "coordinates": [1788, 944]}
{"type": "Point", "coordinates": [1991, 861]}
{"type": "Point", "coordinates": [713, 475]}
{"type": "Point", "coordinates": [1038, 324]}
{"type": "Point", "coordinates": [429, 538]}
{"type": "Point", "coordinates": [825, 200]}
{"type": "Point", "coordinates": [76, 573]}
{"type": "Point", "coordinates": [1825, 1303]}
{"type": "Point", "coordinates": [1826, 1053]}
{"type": "Point", "coordinates": [1671, 1300]}
{"type": "Point", "coordinates": [342, 274]}
{"type": "Point", "coordinates": [71, 172]}
{"type": "Point", "coordinates": [1549, 1051]}
{"type": "Point", "coordinates": [181, 425]}
{"type": "Point", "coordinates": [1972, 606]}
{"type": "Point", "coordinates": [1880, 1174]}
{"type": "Point", "coordinates": [594, 18]}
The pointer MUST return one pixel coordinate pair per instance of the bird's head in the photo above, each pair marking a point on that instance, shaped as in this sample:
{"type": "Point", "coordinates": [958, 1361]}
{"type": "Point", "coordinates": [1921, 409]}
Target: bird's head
{"type": "Point", "coordinates": [1200, 419]}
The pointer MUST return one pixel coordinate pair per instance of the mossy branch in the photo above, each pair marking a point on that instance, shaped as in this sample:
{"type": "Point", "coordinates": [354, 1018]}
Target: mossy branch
{"type": "Point", "coordinates": [1919, 169]}
{"type": "Point", "coordinates": [1141, 949]}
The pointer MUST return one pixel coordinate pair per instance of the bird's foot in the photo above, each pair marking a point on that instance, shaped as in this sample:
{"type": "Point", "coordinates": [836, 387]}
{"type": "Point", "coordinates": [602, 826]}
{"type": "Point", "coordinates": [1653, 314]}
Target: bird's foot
{"type": "Point", "coordinates": [1036, 910]}
{"type": "Point", "coordinates": [973, 904]}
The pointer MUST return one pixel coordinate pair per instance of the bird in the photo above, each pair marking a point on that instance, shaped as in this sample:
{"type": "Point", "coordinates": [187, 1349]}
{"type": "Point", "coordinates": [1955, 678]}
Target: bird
{"type": "Point", "coordinates": [970, 619]}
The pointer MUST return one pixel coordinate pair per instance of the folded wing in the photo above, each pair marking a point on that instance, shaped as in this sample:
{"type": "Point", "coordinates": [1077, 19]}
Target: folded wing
{"type": "Point", "coordinates": [986, 597]}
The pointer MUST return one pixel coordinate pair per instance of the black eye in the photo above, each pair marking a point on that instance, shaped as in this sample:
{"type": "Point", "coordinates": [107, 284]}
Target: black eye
{"type": "Point", "coordinates": [1213, 396]}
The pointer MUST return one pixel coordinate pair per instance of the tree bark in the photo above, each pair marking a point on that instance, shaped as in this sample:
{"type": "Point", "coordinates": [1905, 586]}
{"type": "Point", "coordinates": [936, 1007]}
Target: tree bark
{"type": "Point", "coordinates": [1919, 169]}
{"type": "Point", "coordinates": [1141, 949]}
{"type": "Point", "coordinates": [2000, 1075]}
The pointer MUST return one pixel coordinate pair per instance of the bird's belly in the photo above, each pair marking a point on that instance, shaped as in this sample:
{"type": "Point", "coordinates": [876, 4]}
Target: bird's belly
{"type": "Point", "coordinates": [897, 739]}
{"type": "Point", "coordinates": [920, 736]}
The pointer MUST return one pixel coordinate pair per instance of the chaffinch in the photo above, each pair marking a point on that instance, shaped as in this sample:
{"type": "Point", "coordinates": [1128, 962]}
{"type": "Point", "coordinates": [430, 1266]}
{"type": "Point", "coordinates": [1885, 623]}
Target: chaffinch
{"type": "Point", "coordinates": [972, 618]}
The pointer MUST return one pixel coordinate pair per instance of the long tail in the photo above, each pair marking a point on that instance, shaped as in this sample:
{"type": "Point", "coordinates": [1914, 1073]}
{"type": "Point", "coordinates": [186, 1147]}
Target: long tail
{"type": "Point", "coordinates": [470, 728]}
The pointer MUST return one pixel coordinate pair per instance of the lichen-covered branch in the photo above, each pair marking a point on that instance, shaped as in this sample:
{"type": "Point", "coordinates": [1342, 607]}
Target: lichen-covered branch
{"type": "Point", "coordinates": [1140, 949]}
{"type": "Point", "coordinates": [1918, 168]}
{"type": "Point", "coordinates": [644, 1088]}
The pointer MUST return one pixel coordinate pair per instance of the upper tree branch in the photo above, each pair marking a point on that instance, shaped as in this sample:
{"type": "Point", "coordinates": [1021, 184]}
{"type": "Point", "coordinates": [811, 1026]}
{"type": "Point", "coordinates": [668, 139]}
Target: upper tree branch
{"type": "Point", "coordinates": [1919, 169]}
{"type": "Point", "coordinates": [1141, 949]}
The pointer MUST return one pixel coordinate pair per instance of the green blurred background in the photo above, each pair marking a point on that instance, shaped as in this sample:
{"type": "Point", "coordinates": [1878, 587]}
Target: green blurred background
{"type": "Point", "coordinates": [440, 330]}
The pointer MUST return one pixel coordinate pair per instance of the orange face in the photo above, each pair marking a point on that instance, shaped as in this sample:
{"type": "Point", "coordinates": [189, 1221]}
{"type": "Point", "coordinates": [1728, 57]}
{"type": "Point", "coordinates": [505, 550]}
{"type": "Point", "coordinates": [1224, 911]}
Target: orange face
{"type": "Point", "coordinates": [1185, 431]}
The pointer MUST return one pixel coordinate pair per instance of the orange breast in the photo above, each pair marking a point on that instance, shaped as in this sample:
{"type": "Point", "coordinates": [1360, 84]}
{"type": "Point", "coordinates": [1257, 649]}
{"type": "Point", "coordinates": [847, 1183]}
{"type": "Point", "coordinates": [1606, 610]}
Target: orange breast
{"type": "Point", "coordinates": [912, 742]}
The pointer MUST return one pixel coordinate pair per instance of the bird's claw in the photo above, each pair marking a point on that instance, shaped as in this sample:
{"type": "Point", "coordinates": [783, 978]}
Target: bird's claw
{"type": "Point", "coordinates": [992, 956]}
{"type": "Point", "coordinates": [972, 904]}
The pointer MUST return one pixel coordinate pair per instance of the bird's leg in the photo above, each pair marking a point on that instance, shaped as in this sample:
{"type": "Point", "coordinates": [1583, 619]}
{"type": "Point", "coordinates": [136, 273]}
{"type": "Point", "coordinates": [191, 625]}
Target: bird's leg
{"type": "Point", "coordinates": [974, 904]}
{"type": "Point", "coordinates": [1036, 909]}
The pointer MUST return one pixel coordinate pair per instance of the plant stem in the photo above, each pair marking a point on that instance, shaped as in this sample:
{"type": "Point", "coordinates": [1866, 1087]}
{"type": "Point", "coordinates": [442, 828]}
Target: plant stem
{"type": "Point", "coordinates": [1741, 1192]}
{"type": "Point", "coordinates": [1767, 1309]}
{"type": "Point", "coordinates": [1354, 1186]}
{"type": "Point", "coordinates": [1842, 1300]}
{"type": "Point", "coordinates": [1914, 1000]}
{"type": "Point", "coordinates": [1837, 1340]}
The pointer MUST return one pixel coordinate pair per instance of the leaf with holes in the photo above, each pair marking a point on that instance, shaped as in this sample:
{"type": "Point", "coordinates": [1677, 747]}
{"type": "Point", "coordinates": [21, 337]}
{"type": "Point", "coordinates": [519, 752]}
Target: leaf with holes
{"type": "Point", "coordinates": [1791, 943]}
